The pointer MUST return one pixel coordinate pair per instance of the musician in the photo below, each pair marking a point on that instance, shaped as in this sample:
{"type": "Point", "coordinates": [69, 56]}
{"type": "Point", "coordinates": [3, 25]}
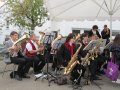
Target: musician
{"type": "Point", "coordinates": [106, 34]}
{"type": "Point", "coordinates": [93, 63]}
{"type": "Point", "coordinates": [65, 53]}
{"type": "Point", "coordinates": [94, 30]}
{"type": "Point", "coordinates": [97, 62]}
{"type": "Point", "coordinates": [32, 53]}
{"type": "Point", "coordinates": [16, 56]}
{"type": "Point", "coordinates": [115, 49]}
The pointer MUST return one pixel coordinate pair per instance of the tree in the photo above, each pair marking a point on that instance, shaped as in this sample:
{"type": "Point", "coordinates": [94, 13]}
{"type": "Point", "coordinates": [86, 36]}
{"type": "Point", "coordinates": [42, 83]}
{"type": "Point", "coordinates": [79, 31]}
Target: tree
{"type": "Point", "coordinates": [27, 13]}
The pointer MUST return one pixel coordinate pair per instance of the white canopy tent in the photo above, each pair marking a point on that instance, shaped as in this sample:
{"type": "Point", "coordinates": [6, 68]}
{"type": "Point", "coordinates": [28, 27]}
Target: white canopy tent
{"type": "Point", "coordinates": [84, 10]}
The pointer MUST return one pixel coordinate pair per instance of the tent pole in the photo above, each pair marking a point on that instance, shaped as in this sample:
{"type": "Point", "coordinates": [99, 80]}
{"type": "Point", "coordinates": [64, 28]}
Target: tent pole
{"type": "Point", "coordinates": [110, 27]}
{"type": "Point", "coordinates": [111, 13]}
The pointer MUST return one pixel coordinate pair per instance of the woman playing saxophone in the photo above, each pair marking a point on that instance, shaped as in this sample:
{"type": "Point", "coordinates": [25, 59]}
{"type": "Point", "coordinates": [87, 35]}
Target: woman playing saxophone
{"type": "Point", "coordinates": [66, 52]}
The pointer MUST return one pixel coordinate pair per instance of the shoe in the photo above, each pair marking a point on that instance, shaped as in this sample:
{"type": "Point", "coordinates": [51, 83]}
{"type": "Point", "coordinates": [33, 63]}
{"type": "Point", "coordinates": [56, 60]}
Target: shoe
{"type": "Point", "coordinates": [17, 77]}
{"type": "Point", "coordinates": [25, 76]}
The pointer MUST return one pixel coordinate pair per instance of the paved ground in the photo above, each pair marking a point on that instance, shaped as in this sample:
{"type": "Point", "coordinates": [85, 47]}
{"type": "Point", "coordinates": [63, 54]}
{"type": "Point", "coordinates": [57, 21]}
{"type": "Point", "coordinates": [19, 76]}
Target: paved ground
{"type": "Point", "coordinates": [29, 84]}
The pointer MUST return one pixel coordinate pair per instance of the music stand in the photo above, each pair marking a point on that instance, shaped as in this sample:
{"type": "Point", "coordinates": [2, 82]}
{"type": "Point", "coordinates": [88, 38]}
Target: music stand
{"type": "Point", "coordinates": [108, 46]}
{"type": "Point", "coordinates": [55, 48]}
{"type": "Point", "coordinates": [47, 42]}
{"type": "Point", "coordinates": [102, 42]}
{"type": "Point", "coordinates": [91, 46]}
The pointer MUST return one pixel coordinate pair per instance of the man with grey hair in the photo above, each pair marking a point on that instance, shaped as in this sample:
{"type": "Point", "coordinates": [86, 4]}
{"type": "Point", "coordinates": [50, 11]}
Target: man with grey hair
{"type": "Point", "coordinates": [32, 53]}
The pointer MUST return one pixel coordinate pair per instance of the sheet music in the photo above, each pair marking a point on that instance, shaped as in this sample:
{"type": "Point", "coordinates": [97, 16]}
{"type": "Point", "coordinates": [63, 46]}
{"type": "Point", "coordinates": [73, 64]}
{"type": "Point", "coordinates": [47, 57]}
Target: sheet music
{"type": "Point", "coordinates": [48, 39]}
{"type": "Point", "coordinates": [94, 43]}
{"type": "Point", "coordinates": [57, 45]}
{"type": "Point", "coordinates": [91, 45]}
{"type": "Point", "coordinates": [102, 42]}
{"type": "Point", "coordinates": [108, 45]}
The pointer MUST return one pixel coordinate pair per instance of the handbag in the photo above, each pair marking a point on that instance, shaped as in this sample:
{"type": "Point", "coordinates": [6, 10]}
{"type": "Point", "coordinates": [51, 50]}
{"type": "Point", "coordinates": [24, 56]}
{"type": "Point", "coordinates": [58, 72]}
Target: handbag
{"type": "Point", "coordinates": [61, 80]}
{"type": "Point", "coordinates": [112, 69]}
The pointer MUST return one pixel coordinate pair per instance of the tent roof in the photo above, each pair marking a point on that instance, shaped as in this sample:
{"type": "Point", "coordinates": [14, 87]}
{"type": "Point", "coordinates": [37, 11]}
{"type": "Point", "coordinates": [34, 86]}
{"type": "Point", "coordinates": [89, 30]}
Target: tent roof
{"type": "Point", "coordinates": [83, 9]}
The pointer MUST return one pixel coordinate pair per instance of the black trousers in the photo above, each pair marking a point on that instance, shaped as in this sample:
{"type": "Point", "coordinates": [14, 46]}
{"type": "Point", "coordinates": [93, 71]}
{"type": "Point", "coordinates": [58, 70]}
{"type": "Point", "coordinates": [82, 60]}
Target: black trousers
{"type": "Point", "coordinates": [75, 73]}
{"type": "Point", "coordinates": [93, 68]}
{"type": "Point", "coordinates": [38, 61]}
{"type": "Point", "coordinates": [23, 65]}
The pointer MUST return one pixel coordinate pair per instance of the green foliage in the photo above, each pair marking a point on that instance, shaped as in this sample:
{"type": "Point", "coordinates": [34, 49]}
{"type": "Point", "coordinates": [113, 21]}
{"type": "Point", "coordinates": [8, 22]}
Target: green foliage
{"type": "Point", "coordinates": [28, 13]}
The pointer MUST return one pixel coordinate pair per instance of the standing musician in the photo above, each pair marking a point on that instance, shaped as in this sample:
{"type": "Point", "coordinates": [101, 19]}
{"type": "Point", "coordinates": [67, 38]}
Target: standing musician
{"type": "Point", "coordinates": [17, 57]}
{"type": "Point", "coordinates": [106, 34]}
{"type": "Point", "coordinates": [94, 30]}
{"type": "Point", "coordinates": [32, 53]}
{"type": "Point", "coordinates": [66, 52]}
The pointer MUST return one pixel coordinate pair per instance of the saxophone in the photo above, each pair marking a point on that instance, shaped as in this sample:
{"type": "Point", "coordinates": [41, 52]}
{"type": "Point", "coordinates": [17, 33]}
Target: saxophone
{"type": "Point", "coordinates": [73, 62]}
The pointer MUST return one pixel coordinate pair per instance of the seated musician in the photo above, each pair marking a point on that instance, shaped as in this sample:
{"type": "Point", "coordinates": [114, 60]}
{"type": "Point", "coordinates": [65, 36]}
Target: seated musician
{"type": "Point", "coordinates": [32, 53]}
{"type": "Point", "coordinates": [66, 52]}
{"type": "Point", "coordinates": [16, 57]}
{"type": "Point", "coordinates": [115, 49]}
{"type": "Point", "coordinates": [83, 53]}
{"type": "Point", "coordinates": [97, 62]}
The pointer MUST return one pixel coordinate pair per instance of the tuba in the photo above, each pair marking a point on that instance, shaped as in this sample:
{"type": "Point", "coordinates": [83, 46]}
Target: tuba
{"type": "Point", "coordinates": [41, 37]}
{"type": "Point", "coordinates": [73, 62]}
{"type": "Point", "coordinates": [56, 39]}
{"type": "Point", "coordinates": [41, 41]}
{"type": "Point", "coordinates": [17, 43]}
{"type": "Point", "coordinates": [24, 37]}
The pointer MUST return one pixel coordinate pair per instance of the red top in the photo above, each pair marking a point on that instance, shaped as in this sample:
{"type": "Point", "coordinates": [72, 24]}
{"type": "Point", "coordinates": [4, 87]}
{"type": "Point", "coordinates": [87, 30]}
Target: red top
{"type": "Point", "coordinates": [28, 54]}
{"type": "Point", "coordinates": [70, 48]}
